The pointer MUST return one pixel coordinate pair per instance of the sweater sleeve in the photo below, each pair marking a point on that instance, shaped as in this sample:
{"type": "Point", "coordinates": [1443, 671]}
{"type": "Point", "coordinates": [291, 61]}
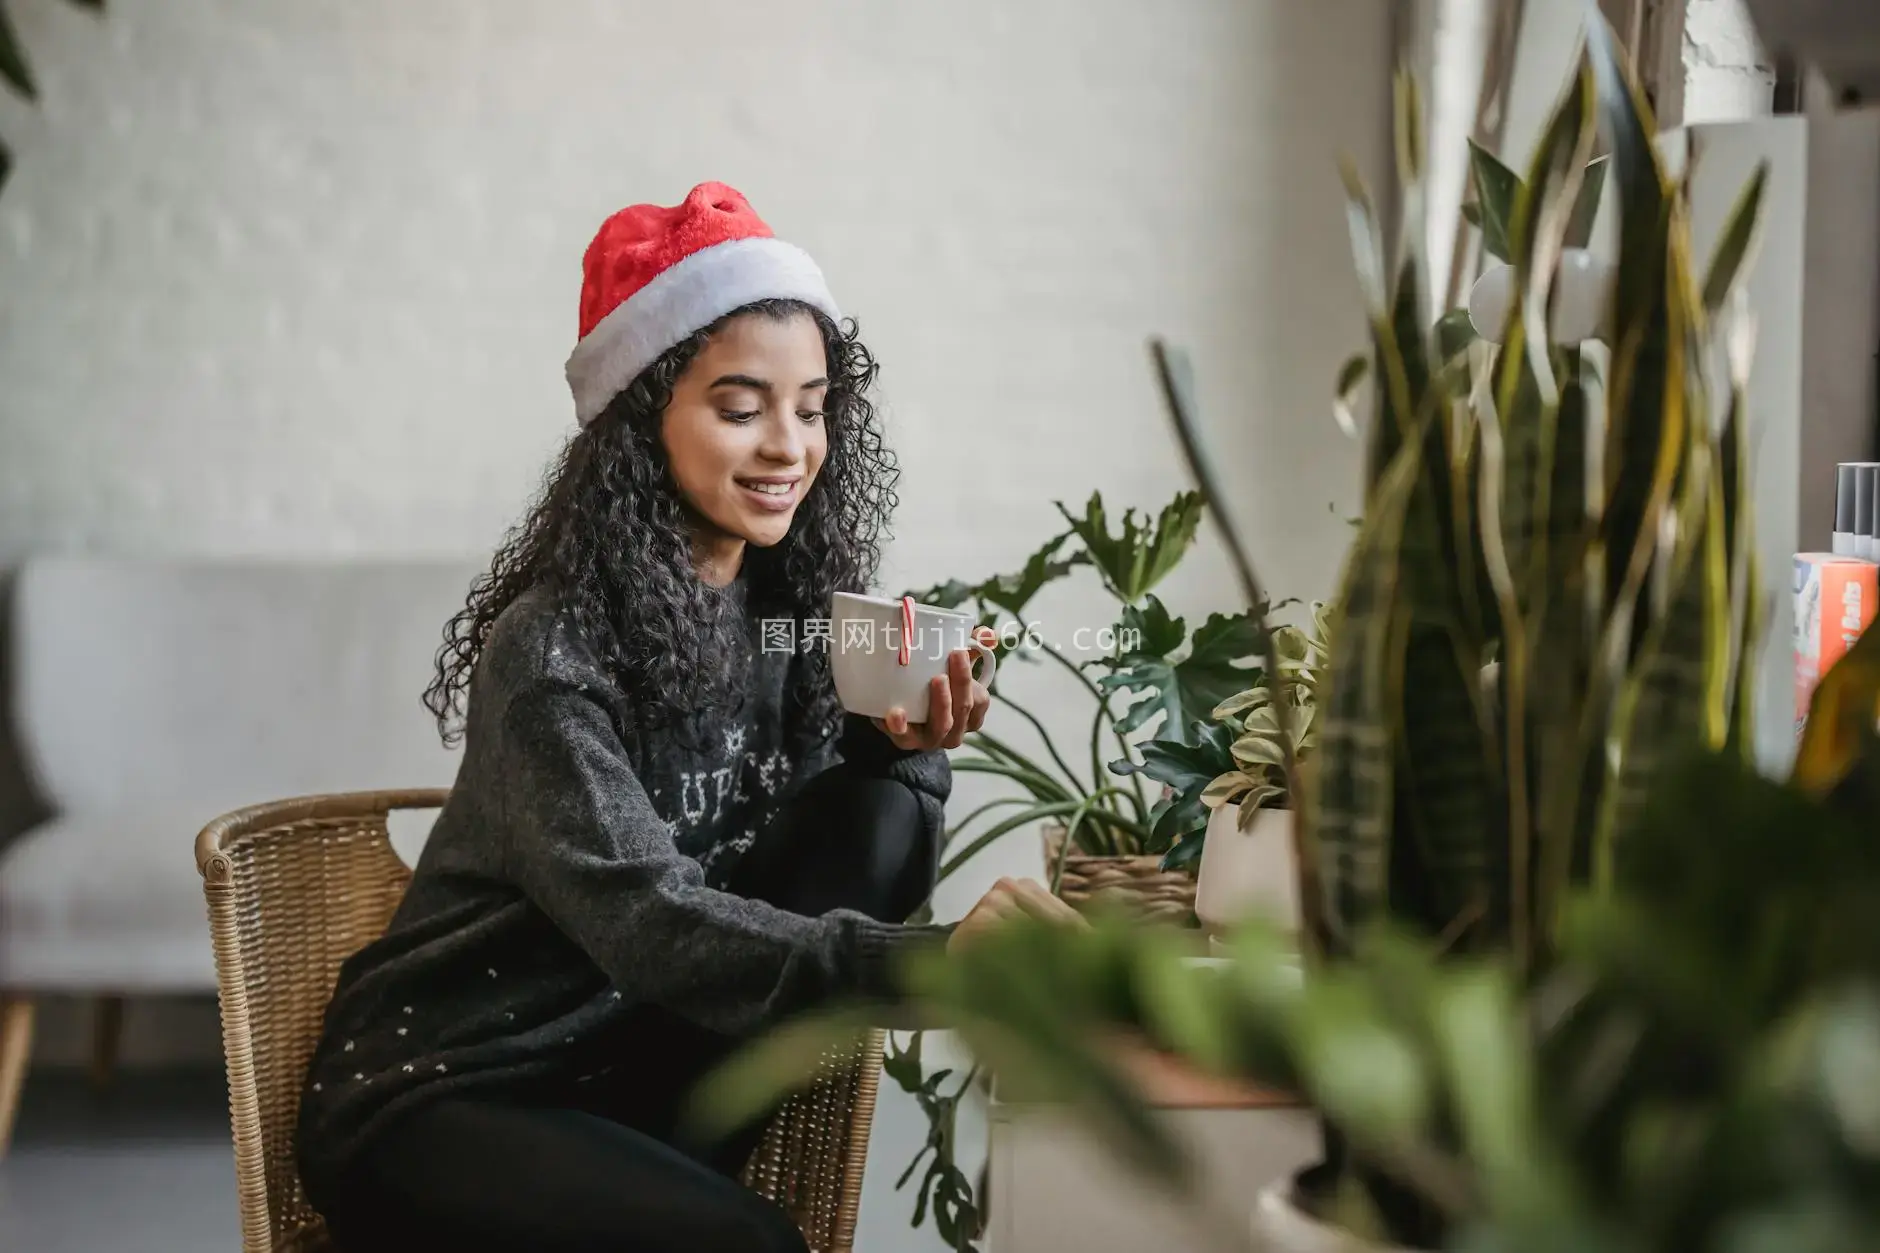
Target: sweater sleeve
{"type": "Point", "coordinates": [587, 845]}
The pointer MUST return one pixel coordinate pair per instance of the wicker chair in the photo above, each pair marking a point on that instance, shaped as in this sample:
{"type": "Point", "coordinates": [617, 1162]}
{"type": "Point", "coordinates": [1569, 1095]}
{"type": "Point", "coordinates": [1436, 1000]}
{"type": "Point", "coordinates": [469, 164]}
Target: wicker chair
{"type": "Point", "coordinates": [296, 886]}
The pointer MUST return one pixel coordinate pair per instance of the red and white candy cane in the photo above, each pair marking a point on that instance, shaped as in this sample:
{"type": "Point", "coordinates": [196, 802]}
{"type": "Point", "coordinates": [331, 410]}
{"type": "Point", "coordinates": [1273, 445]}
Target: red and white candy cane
{"type": "Point", "coordinates": [907, 627]}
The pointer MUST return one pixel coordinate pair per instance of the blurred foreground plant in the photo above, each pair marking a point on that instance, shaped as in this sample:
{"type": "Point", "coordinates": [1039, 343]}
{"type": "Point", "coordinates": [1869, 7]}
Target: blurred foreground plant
{"type": "Point", "coordinates": [1698, 1071]}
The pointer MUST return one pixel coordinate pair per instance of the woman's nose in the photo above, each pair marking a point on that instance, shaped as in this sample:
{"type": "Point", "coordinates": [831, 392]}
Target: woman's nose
{"type": "Point", "coordinates": [783, 438]}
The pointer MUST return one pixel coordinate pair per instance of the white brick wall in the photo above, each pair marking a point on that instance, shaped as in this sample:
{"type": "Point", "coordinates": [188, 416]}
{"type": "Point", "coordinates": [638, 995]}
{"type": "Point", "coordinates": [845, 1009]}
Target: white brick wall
{"type": "Point", "coordinates": [286, 277]}
{"type": "Point", "coordinates": [1727, 75]}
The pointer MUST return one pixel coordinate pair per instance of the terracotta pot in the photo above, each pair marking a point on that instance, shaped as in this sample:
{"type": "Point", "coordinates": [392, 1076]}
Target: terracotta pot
{"type": "Point", "coordinates": [1280, 1226]}
{"type": "Point", "coordinates": [1247, 873]}
{"type": "Point", "coordinates": [1138, 884]}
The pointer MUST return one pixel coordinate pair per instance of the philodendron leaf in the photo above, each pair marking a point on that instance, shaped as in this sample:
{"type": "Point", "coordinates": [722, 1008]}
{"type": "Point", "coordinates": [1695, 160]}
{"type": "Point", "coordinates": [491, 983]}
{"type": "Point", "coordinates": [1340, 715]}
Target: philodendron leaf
{"type": "Point", "coordinates": [1218, 664]}
{"type": "Point", "coordinates": [1202, 755]}
{"type": "Point", "coordinates": [1010, 592]}
{"type": "Point", "coordinates": [1496, 189]}
{"type": "Point", "coordinates": [1182, 815]}
{"type": "Point", "coordinates": [1185, 853]}
{"type": "Point", "coordinates": [948, 595]}
{"type": "Point", "coordinates": [1013, 592]}
{"type": "Point", "coordinates": [1138, 558]}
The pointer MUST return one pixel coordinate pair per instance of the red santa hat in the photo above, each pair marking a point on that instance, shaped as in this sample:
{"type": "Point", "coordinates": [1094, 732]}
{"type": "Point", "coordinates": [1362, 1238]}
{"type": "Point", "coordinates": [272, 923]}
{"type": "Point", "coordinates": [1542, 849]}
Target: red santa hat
{"type": "Point", "coordinates": [656, 274]}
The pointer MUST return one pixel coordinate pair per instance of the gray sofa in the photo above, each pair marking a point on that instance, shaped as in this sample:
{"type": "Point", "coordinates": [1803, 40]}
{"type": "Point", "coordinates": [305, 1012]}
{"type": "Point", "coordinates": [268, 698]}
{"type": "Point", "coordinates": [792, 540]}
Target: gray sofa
{"type": "Point", "coordinates": [148, 697]}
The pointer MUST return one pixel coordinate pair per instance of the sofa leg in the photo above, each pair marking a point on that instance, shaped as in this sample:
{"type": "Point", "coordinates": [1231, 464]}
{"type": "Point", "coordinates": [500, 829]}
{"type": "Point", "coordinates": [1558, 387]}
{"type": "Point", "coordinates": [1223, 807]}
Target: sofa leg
{"type": "Point", "coordinates": [16, 1048]}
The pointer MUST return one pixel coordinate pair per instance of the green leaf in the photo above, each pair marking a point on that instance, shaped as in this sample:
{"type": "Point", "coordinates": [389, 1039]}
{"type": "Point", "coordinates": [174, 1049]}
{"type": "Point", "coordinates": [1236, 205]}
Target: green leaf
{"type": "Point", "coordinates": [1180, 816]}
{"type": "Point", "coordinates": [1216, 666]}
{"type": "Point", "coordinates": [948, 595]}
{"type": "Point", "coordinates": [1737, 243]}
{"type": "Point", "coordinates": [1643, 429]}
{"type": "Point", "coordinates": [1010, 592]}
{"type": "Point", "coordinates": [1150, 630]}
{"type": "Point", "coordinates": [1351, 377]}
{"type": "Point", "coordinates": [1496, 189]}
{"type": "Point", "coordinates": [1133, 561]}
{"type": "Point", "coordinates": [1179, 763]}
{"type": "Point", "coordinates": [1349, 795]}
{"type": "Point", "coordinates": [13, 67]}
{"type": "Point", "coordinates": [1185, 853]}
{"type": "Point", "coordinates": [761, 1074]}
{"type": "Point", "coordinates": [903, 1065]}
{"type": "Point", "coordinates": [1454, 333]}
{"type": "Point", "coordinates": [1013, 592]}
{"type": "Point", "coordinates": [1586, 204]}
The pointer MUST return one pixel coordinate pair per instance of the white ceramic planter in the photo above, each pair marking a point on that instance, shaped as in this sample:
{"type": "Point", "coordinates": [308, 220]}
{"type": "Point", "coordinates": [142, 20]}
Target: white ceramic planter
{"type": "Point", "coordinates": [1279, 1226]}
{"type": "Point", "coordinates": [1247, 873]}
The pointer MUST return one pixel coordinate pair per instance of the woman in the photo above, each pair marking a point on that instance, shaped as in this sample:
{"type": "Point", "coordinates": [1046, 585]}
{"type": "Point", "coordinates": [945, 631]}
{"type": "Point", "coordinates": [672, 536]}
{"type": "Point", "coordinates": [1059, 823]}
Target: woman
{"type": "Point", "coordinates": [665, 835]}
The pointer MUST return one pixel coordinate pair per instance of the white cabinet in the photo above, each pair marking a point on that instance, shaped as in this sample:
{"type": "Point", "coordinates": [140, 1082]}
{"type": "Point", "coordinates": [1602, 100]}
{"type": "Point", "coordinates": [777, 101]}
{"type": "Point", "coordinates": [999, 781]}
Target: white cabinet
{"type": "Point", "coordinates": [1053, 1188]}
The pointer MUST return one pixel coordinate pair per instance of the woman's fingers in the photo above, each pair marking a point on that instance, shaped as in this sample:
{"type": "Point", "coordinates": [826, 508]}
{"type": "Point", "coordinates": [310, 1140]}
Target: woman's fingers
{"type": "Point", "coordinates": [1037, 901]}
{"type": "Point", "coordinates": [940, 707]}
{"type": "Point", "coordinates": [960, 695]}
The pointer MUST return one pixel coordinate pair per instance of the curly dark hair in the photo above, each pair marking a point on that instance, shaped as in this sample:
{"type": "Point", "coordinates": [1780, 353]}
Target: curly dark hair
{"type": "Point", "coordinates": [610, 534]}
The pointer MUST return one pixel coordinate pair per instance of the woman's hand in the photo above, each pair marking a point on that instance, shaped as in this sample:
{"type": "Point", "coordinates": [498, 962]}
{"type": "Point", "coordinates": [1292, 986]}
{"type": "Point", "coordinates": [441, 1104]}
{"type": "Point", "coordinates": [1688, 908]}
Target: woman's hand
{"type": "Point", "coordinates": [1011, 898]}
{"type": "Point", "coordinates": [956, 704]}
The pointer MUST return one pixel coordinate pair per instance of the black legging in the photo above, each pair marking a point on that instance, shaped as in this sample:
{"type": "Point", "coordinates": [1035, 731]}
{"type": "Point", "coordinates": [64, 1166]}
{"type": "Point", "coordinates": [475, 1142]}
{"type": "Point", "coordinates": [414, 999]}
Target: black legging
{"type": "Point", "coordinates": [593, 1167]}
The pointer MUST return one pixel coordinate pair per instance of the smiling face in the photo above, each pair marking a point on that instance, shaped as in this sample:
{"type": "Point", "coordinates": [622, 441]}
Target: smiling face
{"type": "Point", "coordinates": [745, 434]}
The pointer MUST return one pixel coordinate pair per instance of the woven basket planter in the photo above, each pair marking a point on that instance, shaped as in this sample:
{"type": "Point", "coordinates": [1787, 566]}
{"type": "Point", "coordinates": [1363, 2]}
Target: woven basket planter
{"type": "Point", "coordinates": [1138, 884]}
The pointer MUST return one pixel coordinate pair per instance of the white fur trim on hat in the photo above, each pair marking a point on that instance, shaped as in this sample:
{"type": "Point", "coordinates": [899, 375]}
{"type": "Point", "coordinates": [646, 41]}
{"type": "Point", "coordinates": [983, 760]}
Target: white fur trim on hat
{"type": "Point", "coordinates": [687, 295]}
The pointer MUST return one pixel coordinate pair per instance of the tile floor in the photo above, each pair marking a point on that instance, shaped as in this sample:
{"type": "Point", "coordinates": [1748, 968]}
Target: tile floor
{"type": "Point", "coordinates": [143, 1167]}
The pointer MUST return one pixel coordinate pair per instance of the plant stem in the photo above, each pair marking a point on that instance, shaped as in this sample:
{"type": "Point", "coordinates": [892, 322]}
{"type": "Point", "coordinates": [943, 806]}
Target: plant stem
{"type": "Point", "coordinates": [957, 828]}
{"type": "Point", "coordinates": [998, 829]}
{"type": "Point", "coordinates": [1044, 735]}
{"type": "Point", "coordinates": [1040, 785]}
{"type": "Point", "coordinates": [1104, 712]}
{"type": "Point", "coordinates": [1078, 807]}
{"type": "Point", "coordinates": [983, 740]}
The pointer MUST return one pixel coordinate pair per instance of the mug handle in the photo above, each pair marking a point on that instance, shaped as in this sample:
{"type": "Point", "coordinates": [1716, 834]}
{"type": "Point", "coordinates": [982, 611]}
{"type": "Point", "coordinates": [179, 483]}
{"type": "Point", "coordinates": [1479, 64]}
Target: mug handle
{"type": "Point", "coordinates": [991, 659]}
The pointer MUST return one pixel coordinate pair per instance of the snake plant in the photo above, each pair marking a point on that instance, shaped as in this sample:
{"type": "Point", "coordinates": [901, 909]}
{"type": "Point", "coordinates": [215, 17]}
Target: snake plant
{"type": "Point", "coordinates": [1551, 598]}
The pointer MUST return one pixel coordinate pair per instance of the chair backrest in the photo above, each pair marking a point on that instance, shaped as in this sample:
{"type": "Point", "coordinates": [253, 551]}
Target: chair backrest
{"type": "Point", "coordinates": [211, 683]}
{"type": "Point", "coordinates": [296, 887]}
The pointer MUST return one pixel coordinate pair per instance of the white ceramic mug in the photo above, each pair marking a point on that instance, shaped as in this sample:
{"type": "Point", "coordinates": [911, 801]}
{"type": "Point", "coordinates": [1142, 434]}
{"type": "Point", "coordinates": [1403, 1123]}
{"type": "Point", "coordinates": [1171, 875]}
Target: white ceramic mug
{"type": "Point", "coordinates": [866, 654]}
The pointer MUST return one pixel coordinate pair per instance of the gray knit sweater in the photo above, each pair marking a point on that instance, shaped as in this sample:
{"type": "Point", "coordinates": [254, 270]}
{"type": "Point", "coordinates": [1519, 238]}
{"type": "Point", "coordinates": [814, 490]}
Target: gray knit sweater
{"type": "Point", "coordinates": [576, 872]}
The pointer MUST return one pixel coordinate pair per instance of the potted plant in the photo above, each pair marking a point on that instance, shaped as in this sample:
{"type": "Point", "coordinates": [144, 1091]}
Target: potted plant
{"type": "Point", "coordinates": [1229, 786]}
{"type": "Point", "coordinates": [1104, 837]}
{"type": "Point", "coordinates": [1147, 671]}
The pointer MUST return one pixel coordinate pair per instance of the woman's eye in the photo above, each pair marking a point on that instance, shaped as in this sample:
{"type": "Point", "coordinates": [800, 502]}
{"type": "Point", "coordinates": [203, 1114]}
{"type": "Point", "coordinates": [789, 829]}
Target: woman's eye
{"type": "Point", "coordinates": [810, 415]}
{"type": "Point", "coordinates": [734, 416]}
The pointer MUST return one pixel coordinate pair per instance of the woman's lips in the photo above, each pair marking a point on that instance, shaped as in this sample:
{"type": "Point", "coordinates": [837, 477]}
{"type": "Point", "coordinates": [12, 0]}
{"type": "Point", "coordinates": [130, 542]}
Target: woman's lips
{"type": "Point", "coordinates": [775, 495]}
